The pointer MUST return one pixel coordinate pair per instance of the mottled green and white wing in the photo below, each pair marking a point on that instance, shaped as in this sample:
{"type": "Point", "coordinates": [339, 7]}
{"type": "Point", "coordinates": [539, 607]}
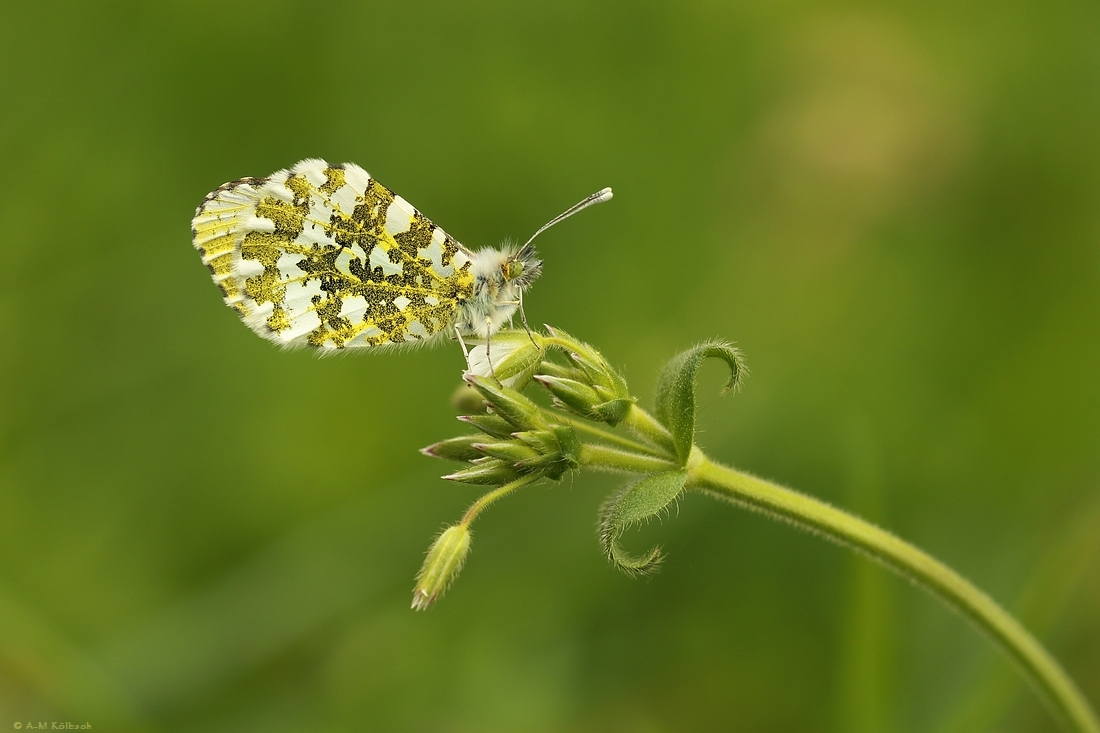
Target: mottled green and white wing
{"type": "Point", "coordinates": [326, 256]}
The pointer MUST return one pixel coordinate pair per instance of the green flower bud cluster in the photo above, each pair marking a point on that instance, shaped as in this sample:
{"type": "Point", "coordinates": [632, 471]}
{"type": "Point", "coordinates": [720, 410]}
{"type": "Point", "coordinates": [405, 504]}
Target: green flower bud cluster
{"type": "Point", "coordinates": [520, 441]}
{"type": "Point", "coordinates": [518, 438]}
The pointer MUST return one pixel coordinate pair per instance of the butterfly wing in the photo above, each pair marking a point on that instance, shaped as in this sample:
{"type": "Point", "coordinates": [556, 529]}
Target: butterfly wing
{"type": "Point", "coordinates": [326, 256]}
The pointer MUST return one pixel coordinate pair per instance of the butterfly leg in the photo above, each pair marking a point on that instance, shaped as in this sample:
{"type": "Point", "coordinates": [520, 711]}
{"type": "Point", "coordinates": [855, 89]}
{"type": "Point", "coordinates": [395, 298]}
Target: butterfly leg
{"type": "Point", "coordinates": [465, 351]}
{"type": "Point", "coordinates": [488, 353]}
{"type": "Point", "coordinates": [523, 318]}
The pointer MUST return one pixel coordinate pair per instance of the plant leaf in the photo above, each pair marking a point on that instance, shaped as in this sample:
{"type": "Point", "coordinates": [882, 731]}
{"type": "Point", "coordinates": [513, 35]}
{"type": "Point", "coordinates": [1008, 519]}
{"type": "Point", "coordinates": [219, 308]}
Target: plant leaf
{"type": "Point", "coordinates": [676, 389]}
{"type": "Point", "coordinates": [636, 503]}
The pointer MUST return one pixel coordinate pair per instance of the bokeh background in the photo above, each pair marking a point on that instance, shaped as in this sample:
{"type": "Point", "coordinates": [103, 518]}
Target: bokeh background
{"type": "Point", "coordinates": [891, 207]}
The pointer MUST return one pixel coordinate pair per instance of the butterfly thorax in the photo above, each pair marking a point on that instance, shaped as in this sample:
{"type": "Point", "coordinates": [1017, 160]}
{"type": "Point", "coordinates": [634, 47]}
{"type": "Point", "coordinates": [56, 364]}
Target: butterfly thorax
{"type": "Point", "coordinates": [500, 277]}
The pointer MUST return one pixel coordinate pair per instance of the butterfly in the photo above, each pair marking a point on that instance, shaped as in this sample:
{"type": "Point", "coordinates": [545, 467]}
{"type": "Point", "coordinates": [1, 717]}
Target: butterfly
{"type": "Point", "coordinates": [325, 256]}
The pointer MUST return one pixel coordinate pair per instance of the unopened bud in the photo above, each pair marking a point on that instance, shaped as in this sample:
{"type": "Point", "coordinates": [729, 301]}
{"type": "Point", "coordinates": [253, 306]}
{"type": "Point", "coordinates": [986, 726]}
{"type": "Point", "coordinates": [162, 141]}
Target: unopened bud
{"type": "Point", "coordinates": [507, 402]}
{"type": "Point", "coordinates": [468, 400]}
{"type": "Point", "coordinates": [597, 372]}
{"type": "Point", "coordinates": [557, 450]}
{"type": "Point", "coordinates": [540, 440]}
{"type": "Point", "coordinates": [485, 471]}
{"type": "Point", "coordinates": [613, 412]}
{"type": "Point", "coordinates": [510, 451]}
{"type": "Point", "coordinates": [441, 566]}
{"type": "Point", "coordinates": [568, 444]}
{"type": "Point", "coordinates": [455, 449]}
{"type": "Point", "coordinates": [578, 397]}
{"type": "Point", "coordinates": [492, 425]}
{"type": "Point", "coordinates": [591, 367]}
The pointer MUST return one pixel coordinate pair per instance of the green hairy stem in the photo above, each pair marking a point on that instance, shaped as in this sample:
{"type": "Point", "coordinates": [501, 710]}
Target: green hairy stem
{"type": "Point", "coordinates": [813, 515]}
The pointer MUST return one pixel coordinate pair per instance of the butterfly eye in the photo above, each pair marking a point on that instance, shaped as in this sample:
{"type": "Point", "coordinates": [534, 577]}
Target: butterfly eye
{"type": "Point", "coordinates": [512, 270]}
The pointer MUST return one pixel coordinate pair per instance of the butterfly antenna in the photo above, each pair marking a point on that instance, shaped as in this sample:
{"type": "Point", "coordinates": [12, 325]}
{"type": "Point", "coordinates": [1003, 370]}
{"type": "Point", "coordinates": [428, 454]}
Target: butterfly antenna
{"type": "Point", "coordinates": [597, 198]}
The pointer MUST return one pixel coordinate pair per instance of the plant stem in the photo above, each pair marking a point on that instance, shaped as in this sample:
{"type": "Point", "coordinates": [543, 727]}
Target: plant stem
{"type": "Point", "coordinates": [614, 438]}
{"type": "Point", "coordinates": [816, 516]}
{"type": "Point", "coordinates": [605, 457]}
{"type": "Point", "coordinates": [645, 425]}
{"type": "Point", "coordinates": [495, 494]}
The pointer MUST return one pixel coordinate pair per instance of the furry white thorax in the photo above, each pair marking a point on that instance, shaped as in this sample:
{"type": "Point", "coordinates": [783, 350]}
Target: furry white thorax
{"type": "Point", "coordinates": [497, 288]}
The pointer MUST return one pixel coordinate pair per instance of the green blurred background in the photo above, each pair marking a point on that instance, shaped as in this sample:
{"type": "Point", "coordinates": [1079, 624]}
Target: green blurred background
{"type": "Point", "coordinates": [891, 207]}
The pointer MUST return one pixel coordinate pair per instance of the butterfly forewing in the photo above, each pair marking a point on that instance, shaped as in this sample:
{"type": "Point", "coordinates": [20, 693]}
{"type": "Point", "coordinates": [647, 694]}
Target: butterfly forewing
{"type": "Point", "coordinates": [326, 256]}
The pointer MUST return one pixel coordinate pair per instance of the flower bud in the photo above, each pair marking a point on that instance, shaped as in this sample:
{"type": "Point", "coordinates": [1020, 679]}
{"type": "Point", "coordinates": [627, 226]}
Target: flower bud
{"type": "Point", "coordinates": [580, 398]}
{"type": "Point", "coordinates": [590, 367]}
{"type": "Point", "coordinates": [468, 401]}
{"type": "Point", "coordinates": [551, 467]}
{"type": "Point", "coordinates": [510, 451]}
{"type": "Point", "coordinates": [441, 566]}
{"type": "Point", "coordinates": [461, 448]}
{"type": "Point", "coordinates": [569, 445]}
{"type": "Point", "coordinates": [613, 412]}
{"type": "Point", "coordinates": [597, 372]}
{"type": "Point", "coordinates": [492, 425]}
{"type": "Point", "coordinates": [485, 471]}
{"type": "Point", "coordinates": [555, 451]}
{"type": "Point", "coordinates": [507, 402]}
{"type": "Point", "coordinates": [540, 440]}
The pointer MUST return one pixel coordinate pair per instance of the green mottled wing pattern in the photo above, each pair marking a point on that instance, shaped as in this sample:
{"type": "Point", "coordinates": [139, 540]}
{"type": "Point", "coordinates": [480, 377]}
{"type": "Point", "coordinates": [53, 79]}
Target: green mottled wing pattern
{"type": "Point", "coordinates": [325, 256]}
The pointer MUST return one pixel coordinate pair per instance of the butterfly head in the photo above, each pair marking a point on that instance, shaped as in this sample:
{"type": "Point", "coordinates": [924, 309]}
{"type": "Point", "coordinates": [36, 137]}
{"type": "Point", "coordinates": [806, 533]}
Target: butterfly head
{"type": "Point", "coordinates": [522, 267]}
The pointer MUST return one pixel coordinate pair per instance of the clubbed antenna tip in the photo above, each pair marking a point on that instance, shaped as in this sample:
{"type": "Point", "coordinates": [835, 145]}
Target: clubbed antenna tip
{"type": "Point", "coordinates": [604, 194]}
